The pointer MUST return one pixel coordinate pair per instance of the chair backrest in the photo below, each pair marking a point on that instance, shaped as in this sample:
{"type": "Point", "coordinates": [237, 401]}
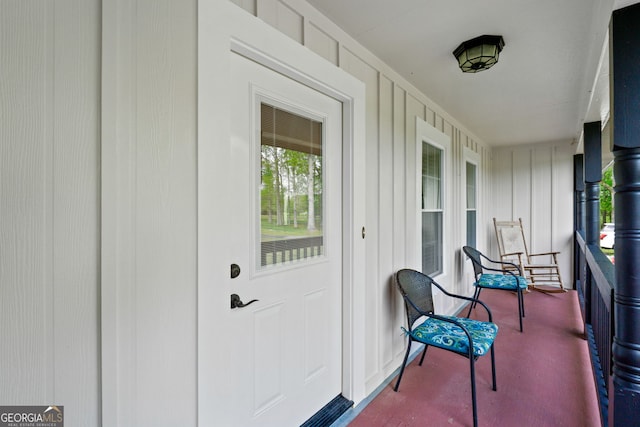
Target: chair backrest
{"type": "Point", "coordinates": [476, 260]}
{"type": "Point", "coordinates": [417, 287]}
{"type": "Point", "coordinates": [510, 235]}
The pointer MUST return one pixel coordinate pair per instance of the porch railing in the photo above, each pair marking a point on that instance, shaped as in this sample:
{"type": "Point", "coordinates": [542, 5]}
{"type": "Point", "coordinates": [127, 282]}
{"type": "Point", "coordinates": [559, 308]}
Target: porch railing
{"type": "Point", "coordinates": [291, 249]}
{"type": "Point", "coordinates": [595, 279]}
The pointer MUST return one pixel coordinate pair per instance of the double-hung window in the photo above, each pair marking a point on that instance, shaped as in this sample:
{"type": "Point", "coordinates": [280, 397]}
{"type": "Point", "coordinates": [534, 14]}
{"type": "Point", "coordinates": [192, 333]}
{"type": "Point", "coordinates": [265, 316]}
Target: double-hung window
{"type": "Point", "coordinates": [433, 188]}
{"type": "Point", "coordinates": [432, 209]}
{"type": "Point", "coordinates": [471, 205]}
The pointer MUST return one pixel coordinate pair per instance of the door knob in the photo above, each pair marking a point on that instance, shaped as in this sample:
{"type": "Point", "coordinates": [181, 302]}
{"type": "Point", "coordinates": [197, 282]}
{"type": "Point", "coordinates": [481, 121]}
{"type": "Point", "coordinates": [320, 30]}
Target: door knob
{"type": "Point", "coordinates": [236, 302]}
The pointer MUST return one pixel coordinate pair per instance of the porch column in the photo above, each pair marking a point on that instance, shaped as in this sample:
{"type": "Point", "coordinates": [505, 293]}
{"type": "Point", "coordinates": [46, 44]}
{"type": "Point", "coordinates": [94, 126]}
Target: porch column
{"type": "Point", "coordinates": [578, 212]}
{"type": "Point", "coordinates": [625, 102]}
{"type": "Point", "coordinates": [578, 187]}
{"type": "Point", "coordinates": [592, 178]}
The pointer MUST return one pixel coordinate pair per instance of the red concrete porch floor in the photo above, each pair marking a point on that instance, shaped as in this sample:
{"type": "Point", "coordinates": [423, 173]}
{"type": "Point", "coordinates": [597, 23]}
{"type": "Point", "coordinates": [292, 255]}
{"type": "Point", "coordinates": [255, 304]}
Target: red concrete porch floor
{"type": "Point", "coordinates": [544, 375]}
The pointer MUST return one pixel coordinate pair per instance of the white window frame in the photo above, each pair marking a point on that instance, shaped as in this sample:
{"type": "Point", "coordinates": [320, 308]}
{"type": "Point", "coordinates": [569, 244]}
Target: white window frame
{"type": "Point", "coordinates": [432, 136]}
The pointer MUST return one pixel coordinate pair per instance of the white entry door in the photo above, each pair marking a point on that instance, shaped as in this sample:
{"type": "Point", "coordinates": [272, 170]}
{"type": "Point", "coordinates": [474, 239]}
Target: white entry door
{"type": "Point", "coordinates": [284, 248]}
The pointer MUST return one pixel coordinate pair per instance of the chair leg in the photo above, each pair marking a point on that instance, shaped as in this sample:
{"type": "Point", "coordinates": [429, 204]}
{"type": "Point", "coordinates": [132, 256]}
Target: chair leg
{"type": "Point", "coordinates": [404, 363]}
{"type": "Point", "coordinates": [476, 295]}
{"type": "Point", "coordinates": [560, 279]}
{"type": "Point", "coordinates": [520, 308]}
{"type": "Point", "coordinates": [424, 352]}
{"type": "Point", "coordinates": [473, 391]}
{"type": "Point", "coordinates": [493, 368]}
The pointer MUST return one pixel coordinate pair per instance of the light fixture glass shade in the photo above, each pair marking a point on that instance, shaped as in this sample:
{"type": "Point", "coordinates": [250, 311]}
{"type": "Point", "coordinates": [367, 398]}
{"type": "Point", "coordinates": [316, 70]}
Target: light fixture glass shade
{"type": "Point", "coordinates": [479, 54]}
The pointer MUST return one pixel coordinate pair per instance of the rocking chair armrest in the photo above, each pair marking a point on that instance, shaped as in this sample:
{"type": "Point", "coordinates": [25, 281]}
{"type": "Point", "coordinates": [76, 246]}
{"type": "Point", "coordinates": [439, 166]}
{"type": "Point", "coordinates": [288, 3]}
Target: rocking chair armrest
{"type": "Point", "coordinates": [512, 253]}
{"type": "Point", "coordinates": [545, 253]}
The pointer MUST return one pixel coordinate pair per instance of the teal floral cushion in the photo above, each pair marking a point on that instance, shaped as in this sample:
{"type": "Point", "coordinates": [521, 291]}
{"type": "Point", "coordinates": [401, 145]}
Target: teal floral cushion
{"type": "Point", "coordinates": [449, 336]}
{"type": "Point", "coordinates": [500, 281]}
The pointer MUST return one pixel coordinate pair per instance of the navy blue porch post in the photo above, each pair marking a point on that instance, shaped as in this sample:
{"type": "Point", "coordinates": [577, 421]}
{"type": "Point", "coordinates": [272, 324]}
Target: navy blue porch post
{"type": "Point", "coordinates": [578, 211]}
{"type": "Point", "coordinates": [625, 60]}
{"type": "Point", "coordinates": [592, 178]}
{"type": "Point", "coordinates": [578, 187]}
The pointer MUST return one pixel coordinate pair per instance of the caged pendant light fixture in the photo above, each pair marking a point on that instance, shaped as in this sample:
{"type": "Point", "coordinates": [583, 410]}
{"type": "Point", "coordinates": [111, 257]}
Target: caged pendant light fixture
{"type": "Point", "coordinates": [479, 54]}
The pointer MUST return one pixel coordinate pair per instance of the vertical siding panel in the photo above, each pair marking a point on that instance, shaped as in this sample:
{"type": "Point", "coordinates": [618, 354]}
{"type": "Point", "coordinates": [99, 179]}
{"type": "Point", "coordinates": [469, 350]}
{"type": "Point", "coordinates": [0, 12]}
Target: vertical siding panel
{"type": "Point", "coordinates": [361, 70]}
{"type": "Point", "coordinates": [165, 213]}
{"type": "Point", "coordinates": [449, 130]}
{"type": "Point", "coordinates": [248, 5]}
{"type": "Point", "coordinates": [486, 195]}
{"type": "Point", "coordinates": [149, 215]}
{"type": "Point", "coordinates": [117, 293]}
{"type": "Point", "coordinates": [452, 133]}
{"type": "Point", "coordinates": [385, 226]}
{"type": "Point", "coordinates": [539, 228]}
{"type": "Point", "coordinates": [456, 216]}
{"type": "Point", "coordinates": [430, 117]}
{"type": "Point", "coordinates": [503, 182]}
{"type": "Point", "coordinates": [521, 169]}
{"type": "Point", "coordinates": [414, 108]}
{"type": "Point", "coordinates": [283, 17]}
{"type": "Point", "coordinates": [399, 177]}
{"type": "Point", "coordinates": [399, 205]}
{"type": "Point", "coordinates": [48, 205]}
{"type": "Point", "coordinates": [25, 177]}
{"type": "Point", "coordinates": [373, 299]}
{"type": "Point", "coordinates": [562, 208]}
{"type": "Point", "coordinates": [321, 43]}
{"type": "Point", "coordinates": [439, 123]}
{"type": "Point", "coordinates": [76, 188]}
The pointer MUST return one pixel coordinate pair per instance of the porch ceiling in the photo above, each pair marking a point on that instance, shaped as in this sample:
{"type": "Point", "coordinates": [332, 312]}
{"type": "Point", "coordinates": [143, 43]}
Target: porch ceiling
{"type": "Point", "coordinates": [552, 75]}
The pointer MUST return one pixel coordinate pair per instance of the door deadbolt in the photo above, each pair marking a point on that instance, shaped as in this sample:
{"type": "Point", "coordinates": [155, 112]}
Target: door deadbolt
{"type": "Point", "coordinates": [235, 270]}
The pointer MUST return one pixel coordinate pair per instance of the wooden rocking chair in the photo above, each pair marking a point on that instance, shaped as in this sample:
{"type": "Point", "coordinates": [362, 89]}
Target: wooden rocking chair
{"type": "Point", "coordinates": [512, 246]}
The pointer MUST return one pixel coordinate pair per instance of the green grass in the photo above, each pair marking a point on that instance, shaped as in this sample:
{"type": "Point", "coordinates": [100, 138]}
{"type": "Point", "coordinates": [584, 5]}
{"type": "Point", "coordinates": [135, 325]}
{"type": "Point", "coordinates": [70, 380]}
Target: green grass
{"type": "Point", "coordinates": [273, 230]}
{"type": "Point", "coordinates": [607, 251]}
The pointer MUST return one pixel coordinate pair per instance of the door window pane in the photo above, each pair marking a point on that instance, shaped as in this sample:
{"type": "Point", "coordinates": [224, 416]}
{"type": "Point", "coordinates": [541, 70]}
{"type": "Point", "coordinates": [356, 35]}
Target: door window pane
{"type": "Point", "coordinates": [432, 214]}
{"type": "Point", "coordinates": [291, 187]}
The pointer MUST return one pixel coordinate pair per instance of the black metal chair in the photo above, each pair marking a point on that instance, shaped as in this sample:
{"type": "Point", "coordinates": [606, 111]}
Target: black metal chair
{"type": "Point", "coordinates": [467, 337]}
{"type": "Point", "coordinates": [507, 278]}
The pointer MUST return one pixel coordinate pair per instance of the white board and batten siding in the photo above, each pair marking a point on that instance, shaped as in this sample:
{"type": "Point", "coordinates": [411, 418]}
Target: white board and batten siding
{"type": "Point", "coordinates": [149, 299]}
{"type": "Point", "coordinates": [97, 199]}
{"type": "Point", "coordinates": [535, 183]}
{"type": "Point", "coordinates": [49, 206]}
{"type": "Point", "coordinates": [98, 185]}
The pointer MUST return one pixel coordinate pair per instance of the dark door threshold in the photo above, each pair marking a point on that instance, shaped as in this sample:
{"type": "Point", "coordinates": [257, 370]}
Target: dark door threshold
{"type": "Point", "coordinates": [329, 413]}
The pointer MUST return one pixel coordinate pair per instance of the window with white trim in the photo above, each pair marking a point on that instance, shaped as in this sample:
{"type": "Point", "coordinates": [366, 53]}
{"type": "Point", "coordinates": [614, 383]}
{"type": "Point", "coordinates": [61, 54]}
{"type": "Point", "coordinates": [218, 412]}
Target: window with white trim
{"type": "Point", "coordinates": [432, 209]}
{"type": "Point", "coordinates": [471, 203]}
